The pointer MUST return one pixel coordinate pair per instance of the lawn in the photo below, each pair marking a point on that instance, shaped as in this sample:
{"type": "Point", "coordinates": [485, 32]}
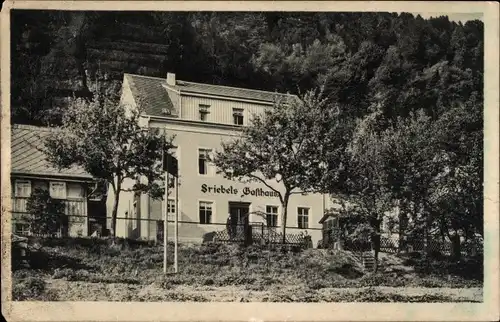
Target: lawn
{"type": "Point", "coordinates": [94, 270]}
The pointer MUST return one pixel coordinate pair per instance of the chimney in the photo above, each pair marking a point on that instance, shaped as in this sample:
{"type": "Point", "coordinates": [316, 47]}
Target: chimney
{"type": "Point", "coordinates": [171, 79]}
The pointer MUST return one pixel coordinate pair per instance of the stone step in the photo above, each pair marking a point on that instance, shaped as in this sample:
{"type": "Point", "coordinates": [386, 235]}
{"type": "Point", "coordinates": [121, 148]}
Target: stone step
{"type": "Point", "coordinates": [368, 261]}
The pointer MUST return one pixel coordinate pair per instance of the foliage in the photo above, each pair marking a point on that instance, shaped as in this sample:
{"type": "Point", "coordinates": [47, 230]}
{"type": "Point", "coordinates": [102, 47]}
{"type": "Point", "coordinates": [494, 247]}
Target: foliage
{"type": "Point", "coordinates": [45, 214]}
{"type": "Point", "coordinates": [282, 146]}
{"type": "Point", "coordinates": [32, 289]}
{"type": "Point", "coordinates": [106, 140]}
{"type": "Point", "coordinates": [268, 50]}
{"type": "Point", "coordinates": [133, 274]}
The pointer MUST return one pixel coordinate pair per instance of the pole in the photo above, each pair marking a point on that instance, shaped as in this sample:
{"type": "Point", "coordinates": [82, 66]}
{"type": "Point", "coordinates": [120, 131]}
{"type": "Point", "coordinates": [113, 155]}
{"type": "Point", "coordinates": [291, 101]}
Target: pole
{"type": "Point", "coordinates": [176, 230]}
{"type": "Point", "coordinates": [165, 225]}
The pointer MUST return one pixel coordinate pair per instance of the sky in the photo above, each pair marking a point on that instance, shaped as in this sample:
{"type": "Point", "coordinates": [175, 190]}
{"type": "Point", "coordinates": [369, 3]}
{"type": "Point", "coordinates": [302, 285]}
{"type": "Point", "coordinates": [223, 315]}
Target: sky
{"type": "Point", "coordinates": [454, 16]}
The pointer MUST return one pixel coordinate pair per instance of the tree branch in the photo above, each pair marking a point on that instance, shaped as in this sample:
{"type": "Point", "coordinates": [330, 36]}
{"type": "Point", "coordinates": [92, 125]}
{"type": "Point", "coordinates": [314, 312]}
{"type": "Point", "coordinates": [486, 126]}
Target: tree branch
{"type": "Point", "coordinates": [266, 184]}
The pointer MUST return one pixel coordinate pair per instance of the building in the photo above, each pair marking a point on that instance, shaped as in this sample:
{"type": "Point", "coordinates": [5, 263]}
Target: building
{"type": "Point", "coordinates": [201, 116]}
{"type": "Point", "coordinates": [30, 170]}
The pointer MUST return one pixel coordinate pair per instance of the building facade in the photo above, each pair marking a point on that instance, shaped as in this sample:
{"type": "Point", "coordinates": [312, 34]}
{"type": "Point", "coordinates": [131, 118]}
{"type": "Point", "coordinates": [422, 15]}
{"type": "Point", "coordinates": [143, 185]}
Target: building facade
{"type": "Point", "coordinates": [30, 170]}
{"type": "Point", "coordinates": [201, 117]}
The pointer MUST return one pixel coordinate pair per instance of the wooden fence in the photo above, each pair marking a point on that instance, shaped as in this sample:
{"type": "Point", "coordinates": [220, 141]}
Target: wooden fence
{"type": "Point", "coordinates": [391, 245]}
{"type": "Point", "coordinates": [258, 233]}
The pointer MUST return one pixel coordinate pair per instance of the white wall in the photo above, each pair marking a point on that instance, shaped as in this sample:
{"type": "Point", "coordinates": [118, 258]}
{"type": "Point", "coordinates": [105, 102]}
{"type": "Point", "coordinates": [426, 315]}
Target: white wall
{"type": "Point", "coordinates": [221, 111]}
{"type": "Point", "coordinates": [188, 139]}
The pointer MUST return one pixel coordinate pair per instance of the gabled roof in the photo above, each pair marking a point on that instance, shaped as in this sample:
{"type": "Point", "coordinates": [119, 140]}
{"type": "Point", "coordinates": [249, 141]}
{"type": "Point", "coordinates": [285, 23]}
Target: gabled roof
{"type": "Point", "coordinates": [226, 91]}
{"type": "Point", "coordinates": [149, 91]}
{"type": "Point", "coordinates": [157, 96]}
{"type": "Point", "coordinates": [27, 157]}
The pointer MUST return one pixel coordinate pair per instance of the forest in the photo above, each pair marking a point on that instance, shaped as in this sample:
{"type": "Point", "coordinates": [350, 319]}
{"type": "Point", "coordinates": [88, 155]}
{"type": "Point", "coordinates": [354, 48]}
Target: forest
{"type": "Point", "coordinates": [400, 62]}
{"type": "Point", "coordinates": [410, 89]}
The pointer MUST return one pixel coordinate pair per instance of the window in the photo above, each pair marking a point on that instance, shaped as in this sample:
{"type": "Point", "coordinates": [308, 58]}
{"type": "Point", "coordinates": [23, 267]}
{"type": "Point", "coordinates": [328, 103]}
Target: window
{"type": "Point", "coordinates": [238, 116]}
{"type": "Point", "coordinates": [203, 159]}
{"type": "Point", "coordinates": [75, 191]}
{"type": "Point", "coordinates": [23, 188]}
{"type": "Point", "coordinates": [58, 190]}
{"type": "Point", "coordinates": [22, 229]}
{"type": "Point", "coordinates": [174, 152]}
{"type": "Point", "coordinates": [204, 111]}
{"type": "Point", "coordinates": [303, 218]}
{"type": "Point", "coordinates": [272, 216]}
{"type": "Point", "coordinates": [171, 208]}
{"type": "Point", "coordinates": [205, 212]}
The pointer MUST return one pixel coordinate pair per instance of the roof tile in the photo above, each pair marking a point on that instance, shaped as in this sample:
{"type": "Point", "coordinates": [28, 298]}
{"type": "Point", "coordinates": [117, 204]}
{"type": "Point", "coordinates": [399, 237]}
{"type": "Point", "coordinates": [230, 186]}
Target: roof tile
{"type": "Point", "coordinates": [27, 157]}
{"type": "Point", "coordinates": [156, 96]}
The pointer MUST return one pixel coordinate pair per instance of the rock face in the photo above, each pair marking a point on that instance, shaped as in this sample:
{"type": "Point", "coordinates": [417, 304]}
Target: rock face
{"type": "Point", "coordinates": [359, 57]}
{"type": "Point", "coordinates": [60, 55]}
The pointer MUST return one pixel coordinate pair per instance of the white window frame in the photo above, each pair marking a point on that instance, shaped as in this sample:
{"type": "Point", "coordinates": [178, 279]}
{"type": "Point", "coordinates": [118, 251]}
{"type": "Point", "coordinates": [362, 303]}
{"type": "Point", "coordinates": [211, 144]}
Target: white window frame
{"type": "Point", "coordinates": [238, 112]}
{"type": "Point", "coordinates": [24, 231]}
{"type": "Point", "coordinates": [212, 215]}
{"type": "Point", "coordinates": [82, 190]}
{"type": "Point", "coordinates": [27, 184]}
{"type": "Point", "coordinates": [208, 166]}
{"type": "Point", "coordinates": [274, 214]}
{"type": "Point", "coordinates": [170, 208]}
{"type": "Point", "coordinates": [204, 111]}
{"type": "Point", "coordinates": [65, 190]}
{"type": "Point", "coordinates": [301, 215]}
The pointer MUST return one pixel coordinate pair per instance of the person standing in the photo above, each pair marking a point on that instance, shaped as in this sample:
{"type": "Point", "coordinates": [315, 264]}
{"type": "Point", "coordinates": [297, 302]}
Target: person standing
{"type": "Point", "coordinates": [229, 227]}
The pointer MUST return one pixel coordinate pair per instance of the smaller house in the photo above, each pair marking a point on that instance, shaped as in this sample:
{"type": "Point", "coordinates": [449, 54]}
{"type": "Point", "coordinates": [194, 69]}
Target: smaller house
{"type": "Point", "coordinates": [85, 212]}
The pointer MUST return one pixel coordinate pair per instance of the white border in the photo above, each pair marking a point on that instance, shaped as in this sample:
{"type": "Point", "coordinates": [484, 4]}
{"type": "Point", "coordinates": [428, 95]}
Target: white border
{"type": "Point", "coordinates": [103, 311]}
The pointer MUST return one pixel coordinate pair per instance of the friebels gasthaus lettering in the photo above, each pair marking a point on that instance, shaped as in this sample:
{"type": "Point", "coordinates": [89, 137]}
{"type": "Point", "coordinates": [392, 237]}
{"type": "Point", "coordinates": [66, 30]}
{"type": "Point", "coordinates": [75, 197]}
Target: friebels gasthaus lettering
{"type": "Point", "coordinates": [218, 189]}
{"type": "Point", "coordinates": [259, 192]}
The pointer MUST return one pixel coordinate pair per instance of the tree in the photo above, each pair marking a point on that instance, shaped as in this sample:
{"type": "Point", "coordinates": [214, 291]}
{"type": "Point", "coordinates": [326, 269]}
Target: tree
{"type": "Point", "coordinates": [362, 183]}
{"type": "Point", "coordinates": [283, 145]}
{"type": "Point", "coordinates": [106, 140]}
{"type": "Point", "coordinates": [457, 194]}
{"type": "Point", "coordinates": [45, 214]}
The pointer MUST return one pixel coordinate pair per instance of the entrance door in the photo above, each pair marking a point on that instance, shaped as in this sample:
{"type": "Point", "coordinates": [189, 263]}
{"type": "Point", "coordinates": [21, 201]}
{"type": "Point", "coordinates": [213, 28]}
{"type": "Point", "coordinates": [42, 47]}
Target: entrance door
{"type": "Point", "coordinates": [239, 212]}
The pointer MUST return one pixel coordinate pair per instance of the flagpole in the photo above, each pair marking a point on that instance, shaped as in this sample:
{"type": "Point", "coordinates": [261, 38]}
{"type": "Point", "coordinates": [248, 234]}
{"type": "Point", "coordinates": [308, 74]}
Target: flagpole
{"type": "Point", "coordinates": [165, 224]}
{"type": "Point", "coordinates": [176, 230]}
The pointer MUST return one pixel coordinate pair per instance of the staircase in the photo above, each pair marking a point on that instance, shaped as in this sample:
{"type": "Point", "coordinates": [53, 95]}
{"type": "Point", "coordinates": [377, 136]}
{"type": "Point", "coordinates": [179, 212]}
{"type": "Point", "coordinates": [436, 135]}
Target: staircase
{"type": "Point", "coordinates": [368, 260]}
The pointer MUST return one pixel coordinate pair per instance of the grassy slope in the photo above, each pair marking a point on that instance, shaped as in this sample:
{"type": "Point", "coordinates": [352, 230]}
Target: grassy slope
{"type": "Point", "coordinates": [92, 270]}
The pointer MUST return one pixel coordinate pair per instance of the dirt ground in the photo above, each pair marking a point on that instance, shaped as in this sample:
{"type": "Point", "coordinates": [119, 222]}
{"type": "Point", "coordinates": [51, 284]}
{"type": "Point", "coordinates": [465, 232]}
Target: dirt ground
{"type": "Point", "coordinates": [85, 291]}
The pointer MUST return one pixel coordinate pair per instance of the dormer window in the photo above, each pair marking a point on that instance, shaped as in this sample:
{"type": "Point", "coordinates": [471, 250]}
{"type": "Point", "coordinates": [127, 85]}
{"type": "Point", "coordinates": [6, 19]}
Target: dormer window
{"type": "Point", "coordinates": [204, 111]}
{"type": "Point", "coordinates": [237, 116]}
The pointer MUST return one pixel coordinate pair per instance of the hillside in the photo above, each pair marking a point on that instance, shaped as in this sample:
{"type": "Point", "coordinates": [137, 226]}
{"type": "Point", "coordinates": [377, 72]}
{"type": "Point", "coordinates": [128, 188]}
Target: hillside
{"type": "Point", "coordinates": [360, 57]}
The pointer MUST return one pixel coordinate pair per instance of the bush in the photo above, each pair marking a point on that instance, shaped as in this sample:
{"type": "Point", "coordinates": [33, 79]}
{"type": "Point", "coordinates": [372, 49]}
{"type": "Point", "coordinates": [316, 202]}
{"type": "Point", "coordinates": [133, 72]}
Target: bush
{"type": "Point", "coordinates": [46, 215]}
{"type": "Point", "coordinates": [346, 270]}
{"type": "Point", "coordinates": [32, 289]}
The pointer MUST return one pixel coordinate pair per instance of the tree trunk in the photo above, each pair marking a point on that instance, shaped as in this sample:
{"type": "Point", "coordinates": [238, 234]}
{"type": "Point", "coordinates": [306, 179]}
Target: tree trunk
{"type": "Point", "coordinates": [115, 213]}
{"type": "Point", "coordinates": [401, 231]}
{"type": "Point", "coordinates": [283, 219]}
{"type": "Point", "coordinates": [376, 240]}
{"type": "Point", "coordinates": [456, 250]}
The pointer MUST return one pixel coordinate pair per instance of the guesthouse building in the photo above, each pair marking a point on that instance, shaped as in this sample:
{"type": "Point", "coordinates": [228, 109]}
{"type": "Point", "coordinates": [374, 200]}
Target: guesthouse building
{"type": "Point", "coordinates": [201, 117]}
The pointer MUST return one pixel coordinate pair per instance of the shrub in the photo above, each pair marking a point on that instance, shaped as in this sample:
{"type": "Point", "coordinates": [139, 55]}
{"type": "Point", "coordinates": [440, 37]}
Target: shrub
{"type": "Point", "coordinates": [345, 269]}
{"type": "Point", "coordinates": [32, 289]}
{"type": "Point", "coordinates": [182, 297]}
{"type": "Point", "coordinates": [46, 215]}
{"type": "Point", "coordinates": [316, 284]}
